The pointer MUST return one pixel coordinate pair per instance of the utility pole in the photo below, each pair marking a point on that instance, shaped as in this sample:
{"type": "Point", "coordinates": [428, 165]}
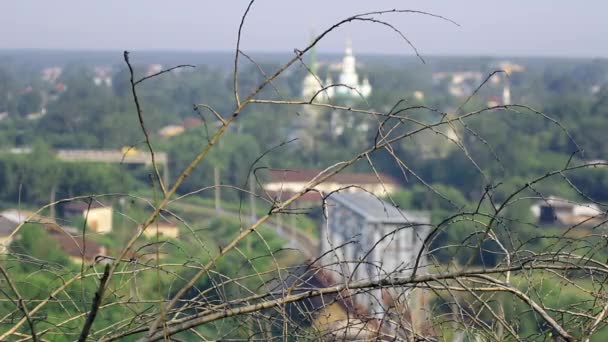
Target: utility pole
{"type": "Point", "coordinates": [294, 224]}
{"type": "Point", "coordinates": [216, 181]}
{"type": "Point", "coordinates": [166, 173]}
{"type": "Point", "coordinates": [252, 197]}
{"type": "Point", "coordinates": [53, 196]}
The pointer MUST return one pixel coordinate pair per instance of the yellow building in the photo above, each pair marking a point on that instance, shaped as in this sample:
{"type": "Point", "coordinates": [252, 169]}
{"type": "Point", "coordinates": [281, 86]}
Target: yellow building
{"type": "Point", "coordinates": [171, 131]}
{"type": "Point", "coordinates": [164, 228]}
{"type": "Point", "coordinates": [97, 216]}
{"type": "Point", "coordinates": [99, 219]}
{"type": "Point", "coordinates": [288, 182]}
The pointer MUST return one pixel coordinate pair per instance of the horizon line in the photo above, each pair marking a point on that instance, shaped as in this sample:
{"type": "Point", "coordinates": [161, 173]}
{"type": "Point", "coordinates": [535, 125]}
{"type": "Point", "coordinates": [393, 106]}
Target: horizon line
{"type": "Point", "coordinates": [275, 52]}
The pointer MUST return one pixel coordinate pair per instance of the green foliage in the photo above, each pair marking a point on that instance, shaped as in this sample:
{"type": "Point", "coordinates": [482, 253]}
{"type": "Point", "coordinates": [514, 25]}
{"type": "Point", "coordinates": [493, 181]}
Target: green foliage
{"type": "Point", "coordinates": [431, 197]}
{"type": "Point", "coordinates": [32, 177]}
{"type": "Point", "coordinates": [233, 156]}
{"type": "Point", "coordinates": [34, 245]}
{"type": "Point", "coordinates": [593, 183]}
{"type": "Point", "coordinates": [29, 102]}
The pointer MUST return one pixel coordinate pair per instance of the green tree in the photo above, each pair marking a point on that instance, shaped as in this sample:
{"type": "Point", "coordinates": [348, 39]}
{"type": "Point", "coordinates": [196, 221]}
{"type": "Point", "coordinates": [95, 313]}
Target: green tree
{"type": "Point", "coordinates": [30, 102]}
{"type": "Point", "coordinates": [233, 155]}
{"type": "Point", "coordinates": [35, 243]}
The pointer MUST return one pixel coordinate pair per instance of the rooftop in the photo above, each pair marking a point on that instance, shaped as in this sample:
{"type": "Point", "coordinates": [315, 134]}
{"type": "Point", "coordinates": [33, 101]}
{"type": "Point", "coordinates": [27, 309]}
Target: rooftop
{"type": "Point", "coordinates": [163, 222]}
{"type": "Point", "coordinates": [18, 216]}
{"type": "Point", "coordinates": [75, 245]}
{"type": "Point", "coordinates": [278, 175]}
{"type": "Point", "coordinates": [562, 203]}
{"type": "Point", "coordinates": [15, 215]}
{"type": "Point", "coordinates": [6, 226]}
{"type": "Point", "coordinates": [376, 210]}
{"type": "Point", "coordinates": [81, 206]}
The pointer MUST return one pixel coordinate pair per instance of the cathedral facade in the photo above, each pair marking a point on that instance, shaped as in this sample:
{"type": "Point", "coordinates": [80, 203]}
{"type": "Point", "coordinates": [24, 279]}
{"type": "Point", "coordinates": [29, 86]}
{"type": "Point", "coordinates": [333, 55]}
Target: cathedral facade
{"type": "Point", "coordinates": [348, 83]}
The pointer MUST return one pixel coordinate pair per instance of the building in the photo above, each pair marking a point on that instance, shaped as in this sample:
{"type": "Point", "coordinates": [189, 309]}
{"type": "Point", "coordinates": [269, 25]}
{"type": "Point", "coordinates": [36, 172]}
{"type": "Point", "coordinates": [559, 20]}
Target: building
{"type": "Point", "coordinates": [171, 131]}
{"type": "Point", "coordinates": [509, 68]}
{"type": "Point", "coordinates": [152, 69]}
{"type": "Point", "coordinates": [51, 74]}
{"type": "Point", "coordinates": [103, 75]}
{"type": "Point", "coordinates": [284, 183]}
{"type": "Point", "coordinates": [312, 86]}
{"type": "Point", "coordinates": [348, 85]}
{"type": "Point", "coordinates": [349, 79]}
{"type": "Point", "coordinates": [98, 216]}
{"type": "Point", "coordinates": [376, 239]}
{"type": "Point", "coordinates": [192, 121]}
{"type": "Point", "coordinates": [555, 211]}
{"type": "Point", "coordinates": [11, 218]}
{"type": "Point", "coordinates": [459, 83]}
{"type": "Point", "coordinates": [78, 248]}
{"type": "Point", "coordinates": [164, 228]}
{"type": "Point", "coordinates": [177, 129]}
{"type": "Point", "coordinates": [17, 216]}
{"type": "Point", "coordinates": [7, 227]}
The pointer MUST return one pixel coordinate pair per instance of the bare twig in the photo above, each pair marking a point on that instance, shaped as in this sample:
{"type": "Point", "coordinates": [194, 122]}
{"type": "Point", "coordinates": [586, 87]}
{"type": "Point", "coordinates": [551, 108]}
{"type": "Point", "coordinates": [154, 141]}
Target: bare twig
{"type": "Point", "coordinates": [140, 116]}
{"type": "Point", "coordinates": [95, 305]}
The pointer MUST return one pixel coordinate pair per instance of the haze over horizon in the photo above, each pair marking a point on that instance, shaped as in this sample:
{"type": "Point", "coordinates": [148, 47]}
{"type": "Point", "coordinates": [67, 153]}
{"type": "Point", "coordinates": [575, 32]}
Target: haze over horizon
{"type": "Point", "coordinates": [492, 28]}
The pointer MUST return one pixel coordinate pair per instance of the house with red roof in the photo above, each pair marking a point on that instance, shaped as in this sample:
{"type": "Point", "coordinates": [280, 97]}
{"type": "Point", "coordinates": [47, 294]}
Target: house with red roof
{"type": "Point", "coordinates": [283, 183]}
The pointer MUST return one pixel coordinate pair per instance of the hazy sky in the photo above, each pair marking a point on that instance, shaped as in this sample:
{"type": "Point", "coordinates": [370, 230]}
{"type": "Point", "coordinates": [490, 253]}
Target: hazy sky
{"type": "Point", "coordinates": [488, 27]}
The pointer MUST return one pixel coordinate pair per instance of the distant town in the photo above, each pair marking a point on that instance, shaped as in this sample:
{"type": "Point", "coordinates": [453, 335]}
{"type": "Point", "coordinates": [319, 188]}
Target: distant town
{"type": "Point", "coordinates": [433, 154]}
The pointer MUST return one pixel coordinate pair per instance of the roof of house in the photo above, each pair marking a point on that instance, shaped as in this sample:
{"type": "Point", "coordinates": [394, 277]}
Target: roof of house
{"type": "Point", "coordinates": [11, 218]}
{"type": "Point", "coordinates": [376, 210]}
{"type": "Point", "coordinates": [19, 216]}
{"type": "Point", "coordinates": [310, 196]}
{"type": "Point", "coordinates": [74, 246]}
{"type": "Point", "coordinates": [556, 202]}
{"type": "Point", "coordinates": [562, 203]}
{"type": "Point", "coordinates": [192, 122]}
{"type": "Point", "coordinates": [62, 229]}
{"type": "Point", "coordinates": [164, 223]}
{"type": "Point", "coordinates": [83, 206]}
{"type": "Point", "coordinates": [6, 226]}
{"type": "Point", "coordinates": [279, 175]}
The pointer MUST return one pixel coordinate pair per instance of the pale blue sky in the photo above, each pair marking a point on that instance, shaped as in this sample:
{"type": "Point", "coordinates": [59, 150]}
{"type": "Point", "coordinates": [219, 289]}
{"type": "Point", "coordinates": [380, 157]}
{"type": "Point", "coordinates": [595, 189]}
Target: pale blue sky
{"type": "Point", "coordinates": [489, 27]}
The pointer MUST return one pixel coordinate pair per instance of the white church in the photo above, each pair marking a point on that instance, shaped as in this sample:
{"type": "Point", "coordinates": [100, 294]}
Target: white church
{"type": "Point", "coordinates": [347, 86]}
